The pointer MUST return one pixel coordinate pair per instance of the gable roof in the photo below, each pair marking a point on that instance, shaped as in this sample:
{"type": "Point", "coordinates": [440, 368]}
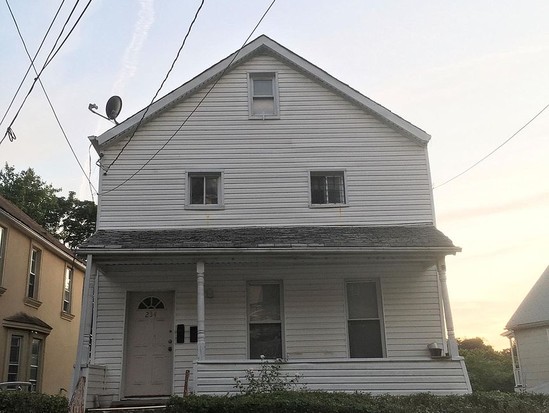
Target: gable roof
{"type": "Point", "coordinates": [261, 45]}
{"type": "Point", "coordinates": [321, 239]}
{"type": "Point", "coordinates": [534, 309]}
{"type": "Point", "coordinates": [22, 220]}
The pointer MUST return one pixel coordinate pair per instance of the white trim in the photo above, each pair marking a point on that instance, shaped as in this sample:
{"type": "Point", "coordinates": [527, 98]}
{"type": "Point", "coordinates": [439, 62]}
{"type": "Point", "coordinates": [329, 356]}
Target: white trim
{"type": "Point", "coordinates": [218, 173]}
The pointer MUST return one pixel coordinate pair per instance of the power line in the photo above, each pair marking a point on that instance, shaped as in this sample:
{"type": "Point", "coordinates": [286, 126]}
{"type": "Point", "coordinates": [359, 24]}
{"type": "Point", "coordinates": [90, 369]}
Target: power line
{"type": "Point", "coordinates": [161, 86]}
{"type": "Point", "coordinates": [196, 107]}
{"type": "Point", "coordinates": [9, 132]}
{"type": "Point", "coordinates": [48, 99]}
{"type": "Point", "coordinates": [495, 150]}
{"type": "Point", "coordinates": [33, 59]}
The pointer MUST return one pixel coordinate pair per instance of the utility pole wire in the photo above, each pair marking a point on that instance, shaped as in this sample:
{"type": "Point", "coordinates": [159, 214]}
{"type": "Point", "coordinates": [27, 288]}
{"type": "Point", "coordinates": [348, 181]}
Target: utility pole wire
{"type": "Point", "coordinates": [160, 88]}
{"type": "Point", "coordinates": [495, 150]}
{"type": "Point", "coordinates": [195, 108]}
{"type": "Point", "coordinates": [33, 59]}
{"type": "Point", "coordinates": [9, 132]}
{"type": "Point", "coordinates": [49, 101]}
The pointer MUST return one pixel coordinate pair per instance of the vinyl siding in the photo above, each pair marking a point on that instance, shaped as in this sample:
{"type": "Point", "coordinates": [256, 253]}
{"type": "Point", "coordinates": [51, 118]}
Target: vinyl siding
{"type": "Point", "coordinates": [314, 310]}
{"type": "Point", "coordinates": [266, 162]}
{"type": "Point", "coordinates": [533, 347]}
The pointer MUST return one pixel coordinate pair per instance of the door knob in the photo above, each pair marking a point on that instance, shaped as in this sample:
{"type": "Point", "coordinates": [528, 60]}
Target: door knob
{"type": "Point", "coordinates": [170, 348]}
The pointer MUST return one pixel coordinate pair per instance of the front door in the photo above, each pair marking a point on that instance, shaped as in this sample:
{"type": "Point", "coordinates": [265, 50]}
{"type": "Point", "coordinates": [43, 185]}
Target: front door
{"type": "Point", "coordinates": [149, 344]}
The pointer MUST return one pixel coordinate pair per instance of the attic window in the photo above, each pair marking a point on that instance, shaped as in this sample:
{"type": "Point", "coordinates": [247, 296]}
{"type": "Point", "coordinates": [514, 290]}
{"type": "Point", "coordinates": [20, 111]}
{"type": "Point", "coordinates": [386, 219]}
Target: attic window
{"type": "Point", "coordinates": [263, 95]}
{"type": "Point", "coordinates": [204, 190]}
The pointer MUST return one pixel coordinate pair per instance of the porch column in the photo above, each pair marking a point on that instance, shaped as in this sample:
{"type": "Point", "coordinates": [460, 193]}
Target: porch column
{"type": "Point", "coordinates": [200, 310]}
{"type": "Point", "coordinates": [452, 343]}
{"type": "Point", "coordinates": [83, 349]}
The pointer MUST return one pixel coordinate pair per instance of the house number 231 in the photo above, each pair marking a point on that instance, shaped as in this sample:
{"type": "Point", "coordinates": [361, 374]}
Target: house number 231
{"type": "Point", "coordinates": [150, 314]}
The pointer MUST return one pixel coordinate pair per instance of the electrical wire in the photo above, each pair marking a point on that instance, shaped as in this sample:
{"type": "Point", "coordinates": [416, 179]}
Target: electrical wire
{"type": "Point", "coordinates": [495, 150]}
{"type": "Point", "coordinates": [195, 108]}
{"type": "Point", "coordinates": [160, 88]}
{"type": "Point", "coordinates": [33, 59]}
{"type": "Point", "coordinates": [9, 132]}
{"type": "Point", "coordinates": [49, 101]}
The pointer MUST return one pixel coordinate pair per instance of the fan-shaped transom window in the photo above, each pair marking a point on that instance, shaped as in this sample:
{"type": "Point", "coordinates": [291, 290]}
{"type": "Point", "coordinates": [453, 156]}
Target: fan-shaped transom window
{"type": "Point", "coordinates": [149, 303]}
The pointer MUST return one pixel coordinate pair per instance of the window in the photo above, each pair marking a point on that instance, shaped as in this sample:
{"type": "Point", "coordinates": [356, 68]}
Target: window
{"type": "Point", "coordinates": [67, 290]}
{"type": "Point", "coordinates": [34, 272]}
{"type": "Point", "coordinates": [265, 320]}
{"type": "Point", "coordinates": [327, 187]}
{"type": "Point", "coordinates": [364, 323]}
{"type": "Point", "coordinates": [204, 189]}
{"type": "Point", "coordinates": [263, 95]}
{"type": "Point", "coordinates": [25, 357]}
{"type": "Point", "coordinates": [3, 233]}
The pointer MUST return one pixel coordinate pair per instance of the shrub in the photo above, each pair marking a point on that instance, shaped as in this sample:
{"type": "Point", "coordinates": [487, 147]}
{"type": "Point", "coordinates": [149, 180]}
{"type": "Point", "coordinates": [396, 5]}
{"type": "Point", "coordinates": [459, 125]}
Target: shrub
{"type": "Point", "coordinates": [322, 402]}
{"type": "Point", "coordinates": [23, 402]}
{"type": "Point", "coordinates": [267, 379]}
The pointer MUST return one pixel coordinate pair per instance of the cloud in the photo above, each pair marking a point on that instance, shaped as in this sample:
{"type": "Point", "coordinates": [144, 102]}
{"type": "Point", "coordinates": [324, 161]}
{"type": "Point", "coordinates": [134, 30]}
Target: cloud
{"type": "Point", "coordinates": [517, 204]}
{"type": "Point", "coordinates": [131, 55]}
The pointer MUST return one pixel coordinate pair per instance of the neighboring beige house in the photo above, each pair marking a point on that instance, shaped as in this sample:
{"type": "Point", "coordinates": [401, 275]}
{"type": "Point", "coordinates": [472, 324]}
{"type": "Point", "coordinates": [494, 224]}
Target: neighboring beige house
{"type": "Point", "coordinates": [528, 330]}
{"type": "Point", "coordinates": [40, 299]}
{"type": "Point", "coordinates": [266, 208]}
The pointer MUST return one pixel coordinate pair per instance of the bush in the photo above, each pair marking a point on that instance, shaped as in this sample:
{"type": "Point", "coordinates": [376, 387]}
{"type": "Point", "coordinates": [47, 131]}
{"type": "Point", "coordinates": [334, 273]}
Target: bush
{"type": "Point", "coordinates": [322, 402]}
{"type": "Point", "coordinates": [23, 402]}
{"type": "Point", "coordinates": [267, 379]}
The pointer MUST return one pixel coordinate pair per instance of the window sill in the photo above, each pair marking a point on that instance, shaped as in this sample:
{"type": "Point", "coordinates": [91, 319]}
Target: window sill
{"type": "Point", "coordinates": [263, 117]}
{"type": "Point", "coordinates": [314, 206]}
{"type": "Point", "coordinates": [205, 207]}
{"type": "Point", "coordinates": [67, 316]}
{"type": "Point", "coordinates": [31, 302]}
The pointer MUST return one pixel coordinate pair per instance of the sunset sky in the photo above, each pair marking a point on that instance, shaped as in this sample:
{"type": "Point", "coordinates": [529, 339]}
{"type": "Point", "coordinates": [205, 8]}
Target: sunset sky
{"type": "Point", "coordinates": [470, 73]}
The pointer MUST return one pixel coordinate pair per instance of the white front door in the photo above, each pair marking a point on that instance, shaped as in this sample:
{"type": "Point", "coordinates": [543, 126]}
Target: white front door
{"type": "Point", "coordinates": [149, 344]}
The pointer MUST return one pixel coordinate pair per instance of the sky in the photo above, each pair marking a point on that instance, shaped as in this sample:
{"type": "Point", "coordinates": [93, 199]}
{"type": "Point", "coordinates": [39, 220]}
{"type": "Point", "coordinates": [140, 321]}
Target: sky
{"type": "Point", "coordinates": [470, 73]}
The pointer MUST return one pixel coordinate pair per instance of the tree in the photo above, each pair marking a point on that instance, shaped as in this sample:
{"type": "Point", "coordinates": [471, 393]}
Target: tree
{"type": "Point", "coordinates": [68, 219]}
{"type": "Point", "coordinates": [488, 369]}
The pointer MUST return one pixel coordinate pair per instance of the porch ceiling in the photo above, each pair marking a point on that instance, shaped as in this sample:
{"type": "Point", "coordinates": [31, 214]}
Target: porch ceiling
{"type": "Point", "coordinates": [297, 240]}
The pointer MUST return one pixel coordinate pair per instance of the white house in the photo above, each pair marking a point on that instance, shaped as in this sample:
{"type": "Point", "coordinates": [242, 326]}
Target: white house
{"type": "Point", "coordinates": [266, 208]}
{"type": "Point", "coordinates": [528, 330]}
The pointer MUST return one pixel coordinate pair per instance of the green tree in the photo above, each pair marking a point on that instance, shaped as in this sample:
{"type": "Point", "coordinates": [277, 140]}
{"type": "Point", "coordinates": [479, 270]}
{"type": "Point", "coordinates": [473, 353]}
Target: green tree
{"type": "Point", "coordinates": [488, 369]}
{"type": "Point", "coordinates": [68, 219]}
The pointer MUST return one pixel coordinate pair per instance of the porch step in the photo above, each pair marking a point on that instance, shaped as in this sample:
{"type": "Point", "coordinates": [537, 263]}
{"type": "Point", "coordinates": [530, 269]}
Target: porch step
{"type": "Point", "coordinates": [132, 409]}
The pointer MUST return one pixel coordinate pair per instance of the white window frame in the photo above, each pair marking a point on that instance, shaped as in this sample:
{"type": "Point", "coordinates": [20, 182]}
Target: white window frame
{"type": "Point", "coordinates": [380, 317]}
{"type": "Point", "coordinates": [328, 173]}
{"type": "Point", "coordinates": [281, 321]}
{"type": "Point", "coordinates": [25, 354]}
{"type": "Point", "coordinates": [34, 273]}
{"type": "Point", "coordinates": [3, 248]}
{"type": "Point", "coordinates": [66, 305]}
{"type": "Point", "coordinates": [220, 193]}
{"type": "Point", "coordinates": [273, 76]}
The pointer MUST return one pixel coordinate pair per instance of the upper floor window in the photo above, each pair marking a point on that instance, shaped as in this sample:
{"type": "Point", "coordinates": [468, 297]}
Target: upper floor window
{"type": "Point", "coordinates": [67, 290]}
{"type": "Point", "coordinates": [263, 95]}
{"type": "Point", "coordinates": [204, 189]}
{"type": "Point", "coordinates": [3, 232]}
{"type": "Point", "coordinates": [364, 320]}
{"type": "Point", "coordinates": [34, 273]}
{"type": "Point", "coordinates": [327, 188]}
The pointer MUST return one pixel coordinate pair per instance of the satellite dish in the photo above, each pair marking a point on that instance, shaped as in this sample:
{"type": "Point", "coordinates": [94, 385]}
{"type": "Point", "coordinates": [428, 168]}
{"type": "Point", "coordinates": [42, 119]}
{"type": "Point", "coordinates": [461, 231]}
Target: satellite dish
{"type": "Point", "coordinates": [113, 108]}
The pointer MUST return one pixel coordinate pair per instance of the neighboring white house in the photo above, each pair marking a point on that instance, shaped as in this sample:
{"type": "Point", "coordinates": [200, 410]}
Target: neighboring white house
{"type": "Point", "coordinates": [266, 208]}
{"type": "Point", "coordinates": [528, 330]}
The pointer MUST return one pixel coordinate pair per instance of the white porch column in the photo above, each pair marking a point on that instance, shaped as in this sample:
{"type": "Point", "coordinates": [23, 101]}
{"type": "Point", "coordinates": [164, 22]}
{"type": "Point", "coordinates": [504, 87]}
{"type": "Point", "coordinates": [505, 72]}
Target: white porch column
{"type": "Point", "coordinates": [83, 349]}
{"type": "Point", "coordinates": [200, 310]}
{"type": "Point", "coordinates": [452, 343]}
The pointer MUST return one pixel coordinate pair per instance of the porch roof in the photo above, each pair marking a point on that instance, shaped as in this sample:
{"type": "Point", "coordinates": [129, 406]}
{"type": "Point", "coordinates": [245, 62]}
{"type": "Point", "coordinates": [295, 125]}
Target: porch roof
{"type": "Point", "coordinates": [271, 239]}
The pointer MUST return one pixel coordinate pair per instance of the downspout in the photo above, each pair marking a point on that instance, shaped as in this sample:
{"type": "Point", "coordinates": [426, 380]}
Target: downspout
{"type": "Point", "coordinates": [82, 352]}
{"type": "Point", "coordinates": [453, 351]}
